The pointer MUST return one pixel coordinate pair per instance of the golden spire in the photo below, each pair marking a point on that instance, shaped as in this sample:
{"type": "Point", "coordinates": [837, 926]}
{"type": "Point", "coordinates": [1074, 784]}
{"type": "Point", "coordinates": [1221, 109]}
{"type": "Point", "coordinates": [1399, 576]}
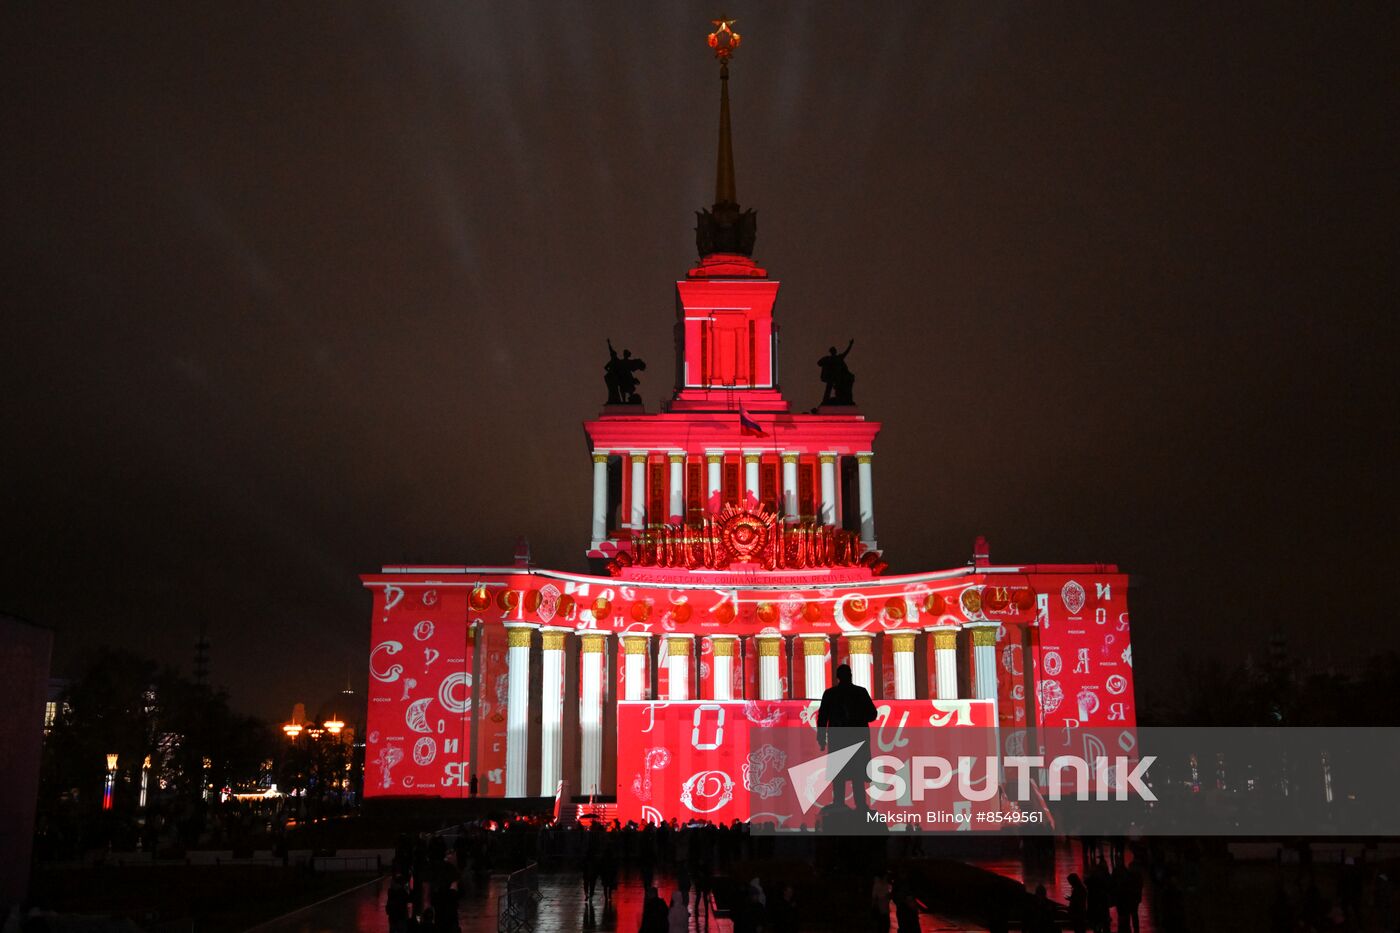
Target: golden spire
{"type": "Point", "coordinates": [724, 40]}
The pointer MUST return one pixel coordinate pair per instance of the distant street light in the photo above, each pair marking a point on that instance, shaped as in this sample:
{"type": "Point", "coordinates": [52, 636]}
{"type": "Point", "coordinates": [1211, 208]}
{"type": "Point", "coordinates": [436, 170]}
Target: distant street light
{"type": "Point", "coordinates": [111, 778]}
{"type": "Point", "coordinates": [333, 726]}
{"type": "Point", "coordinates": [293, 729]}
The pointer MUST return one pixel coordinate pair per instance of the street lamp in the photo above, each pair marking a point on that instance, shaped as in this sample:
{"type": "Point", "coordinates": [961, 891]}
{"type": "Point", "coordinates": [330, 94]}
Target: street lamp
{"type": "Point", "coordinates": [293, 729]}
{"type": "Point", "coordinates": [111, 778]}
{"type": "Point", "coordinates": [145, 777]}
{"type": "Point", "coordinates": [333, 726]}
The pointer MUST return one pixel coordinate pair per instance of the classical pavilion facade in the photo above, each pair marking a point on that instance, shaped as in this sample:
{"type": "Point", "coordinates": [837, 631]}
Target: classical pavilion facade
{"type": "Point", "coordinates": [733, 562]}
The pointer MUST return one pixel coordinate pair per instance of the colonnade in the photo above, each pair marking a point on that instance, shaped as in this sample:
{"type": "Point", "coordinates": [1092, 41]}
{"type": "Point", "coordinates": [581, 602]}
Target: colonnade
{"type": "Point", "coordinates": [635, 510]}
{"type": "Point", "coordinates": [816, 651]}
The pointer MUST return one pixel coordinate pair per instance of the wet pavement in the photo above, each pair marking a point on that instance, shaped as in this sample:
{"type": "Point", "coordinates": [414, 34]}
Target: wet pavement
{"type": "Point", "coordinates": [1069, 859]}
{"type": "Point", "coordinates": [562, 908]}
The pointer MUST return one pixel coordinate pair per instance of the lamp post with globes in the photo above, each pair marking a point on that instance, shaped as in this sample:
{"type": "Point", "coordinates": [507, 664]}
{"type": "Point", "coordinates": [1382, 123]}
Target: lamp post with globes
{"type": "Point", "coordinates": [110, 780]}
{"type": "Point", "coordinates": [291, 776]}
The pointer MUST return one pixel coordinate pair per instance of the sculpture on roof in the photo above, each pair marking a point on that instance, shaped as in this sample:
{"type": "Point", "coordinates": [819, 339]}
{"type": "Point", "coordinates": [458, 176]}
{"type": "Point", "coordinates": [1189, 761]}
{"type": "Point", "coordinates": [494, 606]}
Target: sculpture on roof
{"type": "Point", "coordinates": [620, 374]}
{"type": "Point", "coordinates": [840, 382]}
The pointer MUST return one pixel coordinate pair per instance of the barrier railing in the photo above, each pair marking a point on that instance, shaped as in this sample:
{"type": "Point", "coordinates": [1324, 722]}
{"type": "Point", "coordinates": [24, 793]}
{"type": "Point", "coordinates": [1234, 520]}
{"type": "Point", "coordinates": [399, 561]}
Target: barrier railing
{"type": "Point", "coordinates": [517, 909]}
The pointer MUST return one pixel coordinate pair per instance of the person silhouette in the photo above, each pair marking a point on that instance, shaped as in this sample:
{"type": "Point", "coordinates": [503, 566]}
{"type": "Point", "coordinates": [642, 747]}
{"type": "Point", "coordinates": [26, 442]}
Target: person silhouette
{"type": "Point", "coordinates": [837, 376]}
{"type": "Point", "coordinates": [847, 708]}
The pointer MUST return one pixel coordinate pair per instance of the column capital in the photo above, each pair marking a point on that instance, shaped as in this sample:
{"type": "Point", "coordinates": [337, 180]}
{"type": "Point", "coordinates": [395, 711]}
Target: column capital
{"type": "Point", "coordinates": [865, 456]}
{"type": "Point", "coordinates": [722, 646]}
{"type": "Point", "coordinates": [518, 634]}
{"type": "Point", "coordinates": [813, 645]}
{"type": "Point", "coordinates": [769, 646]}
{"type": "Point", "coordinates": [638, 456]}
{"type": "Point", "coordinates": [592, 642]}
{"type": "Point", "coordinates": [714, 456]}
{"type": "Point", "coordinates": [634, 642]}
{"type": "Point", "coordinates": [859, 643]}
{"type": "Point", "coordinates": [789, 456]}
{"type": "Point", "coordinates": [677, 645]}
{"type": "Point", "coordinates": [984, 634]}
{"type": "Point", "coordinates": [827, 456]}
{"type": "Point", "coordinates": [601, 456]}
{"type": "Point", "coordinates": [674, 457]}
{"type": "Point", "coordinates": [944, 636]}
{"type": "Point", "coordinates": [902, 641]}
{"type": "Point", "coordinates": [552, 639]}
{"type": "Point", "coordinates": [751, 457]}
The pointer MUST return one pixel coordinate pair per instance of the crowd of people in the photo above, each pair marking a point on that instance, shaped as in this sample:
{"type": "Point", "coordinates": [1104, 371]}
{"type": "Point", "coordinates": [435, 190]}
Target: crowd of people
{"type": "Point", "coordinates": [690, 875]}
{"type": "Point", "coordinates": [430, 872]}
{"type": "Point", "coordinates": [1092, 903]}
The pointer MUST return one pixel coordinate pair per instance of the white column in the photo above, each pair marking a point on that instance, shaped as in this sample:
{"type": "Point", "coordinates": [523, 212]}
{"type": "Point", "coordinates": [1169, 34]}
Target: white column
{"type": "Point", "coordinates": [814, 664]}
{"type": "Point", "coordinates": [902, 644]}
{"type": "Point", "coordinates": [551, 710]}
{"type": "Point", "coordinates": [984, 659]}
{"type": "Point", "coordinates": [634, 671]}
{"type": "Point", "coordinates": [722, 648]}
{"type": "Point", "coordinates": [867, 499]}
{"type": "Point", "coordinates": [790, 487]}
{"type": "Point", "coordinates": [677, 506]}
{"type": "Point", "coordinates": [829, 515]}
{"type": "Point", "coordinates": [639, 490]}
{"type": "Point", "coordinates": [678, 666]}
{"type": "Point", "coordinates": [858, 648]}
{"type": "Point", "coordinates": [590, 711]}
{"type": "Point", "coordinates": [518, 708]}
{"type": "Point", "coordinates": [713, 480]}
{"type": "Point", "coordinates": [750, 476]}
{"type": "Point", "coordinates": [600, 498]}
{"type": "Point", "coordinates": [770, 683]}
{"type": "Point", "coordinates": [945, 661]}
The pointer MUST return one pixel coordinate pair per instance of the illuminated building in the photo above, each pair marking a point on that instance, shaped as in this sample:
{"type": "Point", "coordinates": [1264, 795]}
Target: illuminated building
{"type": "Point", "coordinates": [734, 561]}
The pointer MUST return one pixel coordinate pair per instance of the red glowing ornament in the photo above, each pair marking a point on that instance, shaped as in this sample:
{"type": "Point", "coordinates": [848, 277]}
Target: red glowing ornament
{"type": "Point", "coordinates": [507, 599]}
{"type": "Point", "coordinates": [812, 612]}
{"type": "Point", "coordinates": [533, 600]}
{"type": "Point", "coordinates": [480, 599]}
{"type": "Point", "coordinates": [1025, 599]}
{"type": "Point", "coordinates": [602, 608]}
{"type": "Point", "coordinates": [995, 598]}
{"type": "Point", "coordinates": [723, 613]}
{"type": "Point", "coordinates": [566, 606]}
{"type": "Point", "coordinates": [724, 40]}
{"type": "Point", "coordinates": [935, 604]}
{"type": "Point", "coordinates": [895, 608]}
{"type": "Point", "coordinates": [641, 611]}
{"type": "Point", "coordinates": [681, 613]}
{"type": "Point", "coordinates": [767, 613]}
{"type": "Point", "coordinates": [857, 608]}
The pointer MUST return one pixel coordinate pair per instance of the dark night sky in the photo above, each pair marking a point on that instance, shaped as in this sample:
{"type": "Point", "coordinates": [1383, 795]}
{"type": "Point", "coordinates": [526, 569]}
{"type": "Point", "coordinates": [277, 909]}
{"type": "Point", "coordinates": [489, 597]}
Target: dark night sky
{"type": "Point", "coordinates": [297, 290]}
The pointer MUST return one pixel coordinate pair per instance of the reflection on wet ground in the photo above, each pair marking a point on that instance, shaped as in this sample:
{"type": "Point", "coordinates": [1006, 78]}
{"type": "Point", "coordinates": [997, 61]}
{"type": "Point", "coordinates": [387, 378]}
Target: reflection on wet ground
{"type": "Point", "coordinates": [1069, 859]}
{"type": "Point", "coordinates": [563, 908]}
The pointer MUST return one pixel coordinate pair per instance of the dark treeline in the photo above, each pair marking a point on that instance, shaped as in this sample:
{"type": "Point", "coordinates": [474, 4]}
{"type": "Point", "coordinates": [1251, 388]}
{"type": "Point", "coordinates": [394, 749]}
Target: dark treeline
{"type": "Point", "coordinates": [1277, 691]}
{"type": "Point", "coordinates": [124, 705]}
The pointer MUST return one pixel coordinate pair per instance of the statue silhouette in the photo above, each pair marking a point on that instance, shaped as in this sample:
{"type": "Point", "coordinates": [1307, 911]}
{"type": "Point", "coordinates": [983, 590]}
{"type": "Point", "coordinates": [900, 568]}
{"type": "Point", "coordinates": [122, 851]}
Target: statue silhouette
{"type": "Point", "coordinates": [620, 375]}
{"type": "Point", "coordinates": [837, 376]}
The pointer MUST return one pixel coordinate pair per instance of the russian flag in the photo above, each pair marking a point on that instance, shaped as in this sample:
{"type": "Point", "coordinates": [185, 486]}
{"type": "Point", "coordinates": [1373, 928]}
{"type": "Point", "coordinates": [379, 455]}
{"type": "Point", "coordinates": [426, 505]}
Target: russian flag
{"type": "Point", "coordinates": [749, 425]}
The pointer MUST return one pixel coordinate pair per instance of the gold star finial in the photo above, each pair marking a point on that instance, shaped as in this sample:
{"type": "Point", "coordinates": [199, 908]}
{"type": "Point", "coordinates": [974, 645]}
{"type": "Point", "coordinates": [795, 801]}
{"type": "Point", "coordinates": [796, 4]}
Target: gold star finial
{"type": "Point", "coordinates": [724, 40]}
